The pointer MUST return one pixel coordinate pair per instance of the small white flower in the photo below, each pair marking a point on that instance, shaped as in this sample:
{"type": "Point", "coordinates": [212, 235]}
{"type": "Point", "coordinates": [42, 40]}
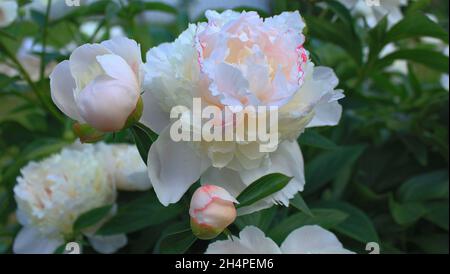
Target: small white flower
{"type": "Point", "coordinates": [8, 12]}
{"type": "Point", "coordinates": [374, 13]}
{"type": "Point", "coordinates": [211, 211]}
{"type": "Point", "coordinates": [236, 59]}
{"type": "Point", "coordinates": [310, 239]}
{"type": "Point", "coordinates": [100, 84]}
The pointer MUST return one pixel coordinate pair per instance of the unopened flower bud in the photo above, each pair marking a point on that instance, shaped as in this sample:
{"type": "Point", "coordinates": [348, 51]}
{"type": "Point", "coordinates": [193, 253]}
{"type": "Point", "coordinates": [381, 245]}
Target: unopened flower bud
{"type": "Point", "coordinates": [211, 211]}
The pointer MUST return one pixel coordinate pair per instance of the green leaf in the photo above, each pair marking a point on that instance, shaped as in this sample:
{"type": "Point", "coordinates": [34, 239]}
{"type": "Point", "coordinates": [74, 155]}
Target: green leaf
{"type": "Point", "coordinates": [417, 6]}
{"type": "Point", "coordinates": [336, 33]}
{"type": "Point", "coordinates": [416, 25]}
{"type": "Point", "coordinates": [357, 225]}
{"type": "Point", "coordinates": [144, 138]}
{"type": "Point", "coordinates": [326, 218]}
{"type": "Point", "coordinates": [300, 204]}
{"type": "Point", "coordinates": [261, 219]}
{"type": "Point", "coordinates": [432, 244]}
{"type": "Point", "coordinates": [175, 240]}
{"type": "Point", "coordinates": [92, 217]}
{"type": "Point", "coordinates": [428, 186]}
{"type": "Point", "coordinates": [406, 213]}
{"type": "Point", "coordinates": [438, 214]}
{"type": "Point", "coordinates": [136, 7]}
{"type": "Point", "coordinates": [314, 139]}
{"type": "Point", "coordinates": [142, 212]}
{"type": "Point", "coordinates": [430, 58]}
{"type": "Point", "coordinates": [262, 188]}
{"type": "Point", "coordinates": [326, 166]}
{"type": "Point", "coordinates": [342, 12]}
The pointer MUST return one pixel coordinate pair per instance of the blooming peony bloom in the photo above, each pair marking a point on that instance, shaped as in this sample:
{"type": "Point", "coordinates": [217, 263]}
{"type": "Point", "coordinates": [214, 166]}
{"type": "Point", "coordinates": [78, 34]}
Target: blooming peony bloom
{"type": "Point", "coordinates": [373, 13]}
{"type": "Point", "coordinates": [53, 193]}
{"type": "Point", "coordinates": [8, 12]}
{"type": "Point", "coordinates": [238, 60]}
{"type": "Point", "coordinates": [211, 211]}
{"type": "Point", "coordinates": [310, 239]}
{"type": "Point", "coordinates": [100, 84]}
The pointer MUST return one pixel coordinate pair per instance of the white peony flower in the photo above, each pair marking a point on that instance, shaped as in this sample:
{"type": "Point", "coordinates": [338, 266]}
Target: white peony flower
{"type": "Point", "coordinates": [100, 84]}
{"type": "Point", "coordinates": [211, 211]}
{"type": "Point", "coordinates": [53, 193]}
{"type": "Point", "coordinates": [235, 59]}
{"type": "Point", "coordinates": [310, 239]}
{"type": "Point", "coordinates": [373, 13]}
{"type": "Point", "coordinates": [444, 77]}
{"type": "Point", "coordinates": [124, 163]}
{"type": "Point", "coordinates": [8, 12]}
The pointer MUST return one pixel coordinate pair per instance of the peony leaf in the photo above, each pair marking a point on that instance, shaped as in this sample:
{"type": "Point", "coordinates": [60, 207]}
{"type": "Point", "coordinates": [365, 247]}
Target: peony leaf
{"type": "Point", "coordinates": [91, 217]}
{"type": "Point", "coordinates": [144, 138]}
{"type": "Point", "coordinates": [140, 213]}
{"type": "Point", "coordinates": [262, 188]}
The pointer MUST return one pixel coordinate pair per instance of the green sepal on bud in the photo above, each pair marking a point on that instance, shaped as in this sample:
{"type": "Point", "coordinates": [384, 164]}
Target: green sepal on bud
{"type": "Point", "coordinates": [135, 116]}
{"type": "Point", "coordinates": [203, 231]}
{"type": "Point", "coordinates": [86, 133]}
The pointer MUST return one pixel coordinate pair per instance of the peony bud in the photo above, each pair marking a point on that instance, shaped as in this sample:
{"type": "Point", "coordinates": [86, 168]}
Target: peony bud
{"type": "Point", "coordinates": [211, 211]}
{"type": "Point", "coordinates": [100, 84]}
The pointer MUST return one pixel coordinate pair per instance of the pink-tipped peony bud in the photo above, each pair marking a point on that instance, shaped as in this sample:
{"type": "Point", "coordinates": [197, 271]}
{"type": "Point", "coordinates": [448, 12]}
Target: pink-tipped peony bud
{"type": "Point", "coordinates": [212, 210]}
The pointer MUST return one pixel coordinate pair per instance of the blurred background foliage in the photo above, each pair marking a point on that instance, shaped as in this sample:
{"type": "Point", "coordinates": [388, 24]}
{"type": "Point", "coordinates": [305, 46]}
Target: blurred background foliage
{"type": "Point", "coordinates": [380, 175]}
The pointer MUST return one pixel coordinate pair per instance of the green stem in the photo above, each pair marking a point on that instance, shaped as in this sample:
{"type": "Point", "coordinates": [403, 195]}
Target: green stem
{"type": "Point", "coordinates": [44, 40]}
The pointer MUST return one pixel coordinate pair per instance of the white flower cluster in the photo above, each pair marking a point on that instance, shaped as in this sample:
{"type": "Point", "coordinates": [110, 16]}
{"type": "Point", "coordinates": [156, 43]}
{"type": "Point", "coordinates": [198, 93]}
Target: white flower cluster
{"type": "Point", "coordinates": [53, 193]}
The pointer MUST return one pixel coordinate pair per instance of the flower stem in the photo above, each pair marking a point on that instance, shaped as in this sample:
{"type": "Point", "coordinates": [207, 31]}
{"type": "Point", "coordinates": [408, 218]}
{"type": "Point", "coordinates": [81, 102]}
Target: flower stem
{"type": "Point", "coordinates": [44, 40]}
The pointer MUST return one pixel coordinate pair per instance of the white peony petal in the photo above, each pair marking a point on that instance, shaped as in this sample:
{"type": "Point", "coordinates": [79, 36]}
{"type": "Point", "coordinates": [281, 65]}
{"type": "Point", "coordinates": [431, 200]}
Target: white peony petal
{"type": "Point", "coordinates": [30, 241]}
{"type": "Point", "coordinates": [327, 112]}
{"type": "Point", "coordinates": [312, 239]}
{"type": "Point", "coordinates": [153, 116]}
{"type": "Point", "coordinates": [128, 49]}
{"type": "Point", "coordinates": [62, 86]}
{"type": "Point", "coordinates": [117, 68]}
{"type": "Point", "coordinates": [225, 178]}
{"type": "Point", "coordinates": [287, 20]}
{"type": "Point", "coordinates": [287, 160]}
{"type": "Point", "coordinates": [83, 63]}
{"type": "Point", "coordinates": [108, 244]}
{"type": "Point", "coordinates": [107, 103]}
{"type": "Point", "coordinates": [173, 167]}
{"type": "Point", "coordinates": [251, 241]}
